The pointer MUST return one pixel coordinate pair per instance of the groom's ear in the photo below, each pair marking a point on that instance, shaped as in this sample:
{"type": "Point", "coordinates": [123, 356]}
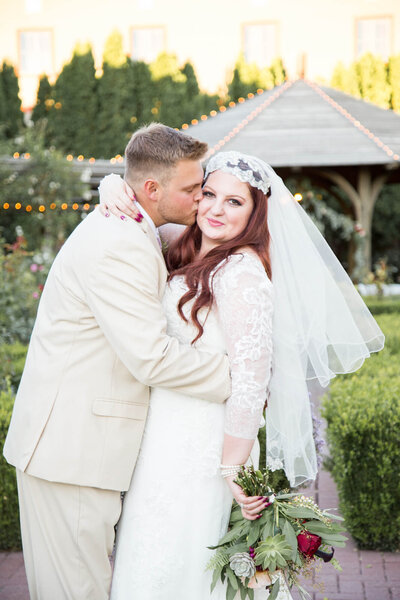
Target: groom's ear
{"type": "Point", "coordinates": [152, 189]}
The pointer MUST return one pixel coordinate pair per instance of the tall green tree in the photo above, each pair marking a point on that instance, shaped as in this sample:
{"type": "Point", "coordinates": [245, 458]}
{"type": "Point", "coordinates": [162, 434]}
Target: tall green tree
{"type": "Point", "coordinates": [11, 101]}
{"type": "Point", "coordinates": [394, 81]}
{"type": "Point", "coordinates": [73, 117]}
{"type": "Point", "coordinates": [278, 71]}
{"type": "Point", "coordinates": [141, 92]}
{"type": "Point", "coordinates": [113, 54]}
{"type": "Point", "coordinates": [346, 79]}
{"type": "Point", "coordinates": [3, 110]}
{"type": "Point", "coordinates": [170, 90]}
{"type": "Point", "coordinates": [372, 78]}
{"type": "Point", "coordinates": [112, 98]}
{"type": "Point", "coordinates": [43, 101]}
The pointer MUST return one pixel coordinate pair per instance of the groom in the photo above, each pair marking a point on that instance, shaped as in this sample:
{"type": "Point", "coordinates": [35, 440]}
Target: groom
{"type": "Point", "coordinates": [98, 343]}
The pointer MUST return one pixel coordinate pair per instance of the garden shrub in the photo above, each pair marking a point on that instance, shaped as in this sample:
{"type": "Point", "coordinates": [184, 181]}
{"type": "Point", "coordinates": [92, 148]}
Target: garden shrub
{"type": "Point", "coordinates": [363, 430]}
{"type": "Point", "coordinates": [386, 305]}
{"type": "Point", "coordinates": [12, 361]}
{"type": "Point", "coordinates": [10, 537]}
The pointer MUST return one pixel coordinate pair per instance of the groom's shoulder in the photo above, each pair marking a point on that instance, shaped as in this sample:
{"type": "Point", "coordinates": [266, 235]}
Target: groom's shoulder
{"type": "Point", "coordinates": [100, 234]}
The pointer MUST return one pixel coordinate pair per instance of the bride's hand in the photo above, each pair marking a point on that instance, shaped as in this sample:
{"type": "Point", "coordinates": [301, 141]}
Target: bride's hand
{"type": "Point", "coordinates": [252, 506]}
{"type": "Point", "coordinates": [117, 197]}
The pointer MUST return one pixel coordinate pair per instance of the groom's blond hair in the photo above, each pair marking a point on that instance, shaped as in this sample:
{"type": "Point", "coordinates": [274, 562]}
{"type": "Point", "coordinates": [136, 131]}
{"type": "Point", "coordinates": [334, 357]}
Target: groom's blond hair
{"type": "Point", "coordinates": [154, 150]}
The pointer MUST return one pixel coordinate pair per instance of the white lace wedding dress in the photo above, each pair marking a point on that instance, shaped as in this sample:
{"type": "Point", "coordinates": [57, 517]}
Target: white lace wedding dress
{"type": "Point", "coordinates": [178, 503]}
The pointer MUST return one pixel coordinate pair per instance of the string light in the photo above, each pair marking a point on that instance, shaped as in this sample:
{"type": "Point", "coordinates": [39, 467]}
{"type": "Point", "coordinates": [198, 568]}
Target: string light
{"type": "Point", "coordinates": [42, 208]}
{"type": "Point", "coordinates": [298, 197]}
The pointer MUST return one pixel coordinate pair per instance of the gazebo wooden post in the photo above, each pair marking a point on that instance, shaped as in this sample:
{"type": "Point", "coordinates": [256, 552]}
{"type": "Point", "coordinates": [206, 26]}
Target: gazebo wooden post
{"type": "Point", "coordinates": [363, 198]}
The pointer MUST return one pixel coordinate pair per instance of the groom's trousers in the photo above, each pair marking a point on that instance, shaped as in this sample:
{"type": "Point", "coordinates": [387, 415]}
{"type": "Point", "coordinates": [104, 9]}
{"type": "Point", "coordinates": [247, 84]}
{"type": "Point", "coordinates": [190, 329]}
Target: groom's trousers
{"type": "Point", "coordinates": [67, 537]}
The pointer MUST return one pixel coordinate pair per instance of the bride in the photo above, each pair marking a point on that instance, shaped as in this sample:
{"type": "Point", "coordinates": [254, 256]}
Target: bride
{"type": "Point", "coordinates": [308, 324]}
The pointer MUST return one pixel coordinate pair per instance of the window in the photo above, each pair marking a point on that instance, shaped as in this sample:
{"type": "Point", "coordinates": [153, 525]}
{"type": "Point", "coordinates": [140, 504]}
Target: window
{"type": "Point", "coordinates": [260, 43]}
{"type": "Point", "coordinates": [36, 52]}
{"type": "Point", "coordinates": [33, 6]}
{"type": "Point", "coordinates": [374, 35]}
{"type": "Point", "coordinates": [147, 43]}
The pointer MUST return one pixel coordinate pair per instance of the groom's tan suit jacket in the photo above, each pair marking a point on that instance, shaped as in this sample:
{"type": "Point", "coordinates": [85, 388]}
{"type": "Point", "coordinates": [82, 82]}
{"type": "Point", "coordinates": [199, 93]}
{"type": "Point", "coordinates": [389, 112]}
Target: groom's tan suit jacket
{"type": "Point", "coordinates": [98, 343]}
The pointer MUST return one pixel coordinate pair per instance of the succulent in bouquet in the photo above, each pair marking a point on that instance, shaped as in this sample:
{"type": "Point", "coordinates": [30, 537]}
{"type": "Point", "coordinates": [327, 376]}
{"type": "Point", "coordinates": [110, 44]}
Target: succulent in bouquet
{"type": "Point", "coordinates": [272, 551]}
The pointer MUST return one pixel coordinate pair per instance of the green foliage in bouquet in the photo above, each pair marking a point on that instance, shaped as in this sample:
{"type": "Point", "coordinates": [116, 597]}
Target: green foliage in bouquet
{"type": "Point", "coordinates": [289, 535]}
{"type": "Point", "coordinates": [363, 416]}
{"type": "Point", "coordinates": [10, 536]}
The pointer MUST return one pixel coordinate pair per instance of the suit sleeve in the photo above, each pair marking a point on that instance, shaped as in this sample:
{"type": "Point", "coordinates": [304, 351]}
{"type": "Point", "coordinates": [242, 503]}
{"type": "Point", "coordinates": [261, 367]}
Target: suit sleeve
{"type": "Point", "coordinates": [124, 298]}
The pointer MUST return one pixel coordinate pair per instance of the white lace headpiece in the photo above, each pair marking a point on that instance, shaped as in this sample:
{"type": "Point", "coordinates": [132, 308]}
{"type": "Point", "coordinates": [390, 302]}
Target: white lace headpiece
{"type": "Point", "coordinates": [246, 168]}
{"type": "Point", "coordinates": [321, 326]}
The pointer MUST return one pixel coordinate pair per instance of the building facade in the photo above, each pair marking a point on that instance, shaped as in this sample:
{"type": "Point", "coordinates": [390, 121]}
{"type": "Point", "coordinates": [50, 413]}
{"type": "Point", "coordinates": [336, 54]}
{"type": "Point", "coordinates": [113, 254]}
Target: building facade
{"type": "Point", "coordinates": [311, 36]}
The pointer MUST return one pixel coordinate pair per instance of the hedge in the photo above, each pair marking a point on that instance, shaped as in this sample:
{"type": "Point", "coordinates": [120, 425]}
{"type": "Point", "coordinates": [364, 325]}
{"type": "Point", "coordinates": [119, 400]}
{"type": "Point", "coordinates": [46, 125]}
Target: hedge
{"type": "Point", "coordinates": [10, 537]}
{"type": "Point", "coordinates": [12, 361]}
{"type": "Point", "coordinates": [363, 431]}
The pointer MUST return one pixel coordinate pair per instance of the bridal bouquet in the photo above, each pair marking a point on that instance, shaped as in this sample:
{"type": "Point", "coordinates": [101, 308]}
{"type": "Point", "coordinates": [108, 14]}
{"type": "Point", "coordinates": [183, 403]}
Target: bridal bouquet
{"type": "Point", "coordinates": [275, 549]}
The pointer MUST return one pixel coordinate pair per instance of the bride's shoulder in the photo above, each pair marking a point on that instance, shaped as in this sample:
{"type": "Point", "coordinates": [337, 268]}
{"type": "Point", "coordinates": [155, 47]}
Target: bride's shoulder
{"type": "Point", "coordinates": [241, 267]}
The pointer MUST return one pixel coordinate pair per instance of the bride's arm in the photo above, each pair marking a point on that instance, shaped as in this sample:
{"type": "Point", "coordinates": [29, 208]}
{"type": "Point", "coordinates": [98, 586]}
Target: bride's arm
{"type": "Point", "coordinates": [117, 197]}
{"type": "Point", "coordinates": [243, 296]}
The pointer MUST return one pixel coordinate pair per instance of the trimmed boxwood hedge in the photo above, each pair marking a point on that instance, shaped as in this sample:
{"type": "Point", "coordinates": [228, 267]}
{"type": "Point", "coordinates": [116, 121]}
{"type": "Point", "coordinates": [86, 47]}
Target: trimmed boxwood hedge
{"type": "Point", "coordinates": [363, 430]}
{"type": "Point", "coordinates": [10, 537]}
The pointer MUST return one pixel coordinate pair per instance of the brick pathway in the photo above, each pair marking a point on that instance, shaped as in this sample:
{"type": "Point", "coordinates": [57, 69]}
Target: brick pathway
{"type": "Point", "coordinates": [366, 575]}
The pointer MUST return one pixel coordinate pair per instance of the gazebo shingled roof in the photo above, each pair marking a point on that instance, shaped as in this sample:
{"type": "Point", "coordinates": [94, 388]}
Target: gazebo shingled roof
{"type": "Point", "coordinates": [297, 126]}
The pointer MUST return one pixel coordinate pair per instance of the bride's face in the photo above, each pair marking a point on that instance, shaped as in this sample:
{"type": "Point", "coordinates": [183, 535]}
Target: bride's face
{"type": "Point", "coordinates": [225, 208]}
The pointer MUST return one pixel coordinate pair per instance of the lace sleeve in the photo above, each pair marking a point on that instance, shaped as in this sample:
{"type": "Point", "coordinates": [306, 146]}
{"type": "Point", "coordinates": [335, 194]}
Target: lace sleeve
{"type": "Point", "coordinates": [243, 296]}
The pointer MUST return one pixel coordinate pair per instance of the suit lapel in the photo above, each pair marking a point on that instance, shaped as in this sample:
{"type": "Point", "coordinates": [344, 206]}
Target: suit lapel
{"type": "Point", "coordinates": [148, 231]}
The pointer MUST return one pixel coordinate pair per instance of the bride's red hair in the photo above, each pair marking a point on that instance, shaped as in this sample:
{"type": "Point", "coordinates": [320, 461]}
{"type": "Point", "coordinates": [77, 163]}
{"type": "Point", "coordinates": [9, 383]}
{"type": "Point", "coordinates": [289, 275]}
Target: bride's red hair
{"type": "Point", "coordinates": [182, 258]}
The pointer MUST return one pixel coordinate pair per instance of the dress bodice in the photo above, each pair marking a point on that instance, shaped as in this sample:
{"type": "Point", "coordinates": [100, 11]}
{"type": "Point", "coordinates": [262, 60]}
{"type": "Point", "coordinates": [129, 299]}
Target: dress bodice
{"type": "Point", "coordinates": [240, 324]}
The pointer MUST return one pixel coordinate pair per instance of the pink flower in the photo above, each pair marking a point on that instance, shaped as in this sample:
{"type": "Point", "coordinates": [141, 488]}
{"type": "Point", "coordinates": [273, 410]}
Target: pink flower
{"type": "Point", "coordinates": [34, 267]}
{"type": "Point", "coordinates": [35, 295]}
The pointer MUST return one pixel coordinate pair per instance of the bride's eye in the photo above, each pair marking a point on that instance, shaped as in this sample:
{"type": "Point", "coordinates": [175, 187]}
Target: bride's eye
{"type": "Point", "coordinates": [234, 202]}
{"type": "Point", "coordinates": [207, 194]}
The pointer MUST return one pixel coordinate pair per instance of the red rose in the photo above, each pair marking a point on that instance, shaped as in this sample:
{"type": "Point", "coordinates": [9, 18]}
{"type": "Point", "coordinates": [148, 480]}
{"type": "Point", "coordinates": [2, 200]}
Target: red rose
{"type": "Point", "coordinates": [308, 543]}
